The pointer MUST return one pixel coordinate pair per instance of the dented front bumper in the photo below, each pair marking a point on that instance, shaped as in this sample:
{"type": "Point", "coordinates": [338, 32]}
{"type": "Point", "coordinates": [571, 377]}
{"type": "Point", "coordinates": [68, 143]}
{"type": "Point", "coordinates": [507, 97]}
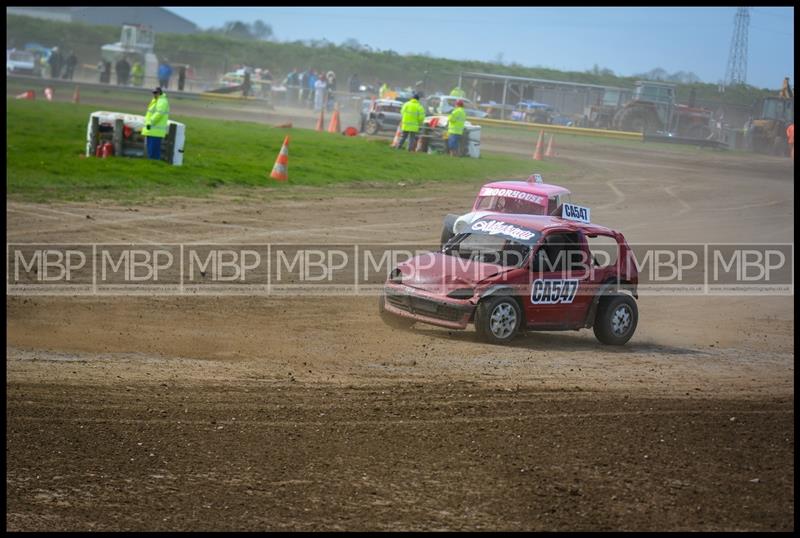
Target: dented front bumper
{"type": "Point", "coordinates": [419, 305]}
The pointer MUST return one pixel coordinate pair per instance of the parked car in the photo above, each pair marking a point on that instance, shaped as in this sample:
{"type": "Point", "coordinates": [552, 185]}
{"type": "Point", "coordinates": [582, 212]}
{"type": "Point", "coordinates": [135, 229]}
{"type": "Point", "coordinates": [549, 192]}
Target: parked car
{"type": "Point", "coordinates": [444, 104]}
{"type": "Point", "coordinates": [533, 111]}
{"type": "Point", "coordinates": [21, 62]}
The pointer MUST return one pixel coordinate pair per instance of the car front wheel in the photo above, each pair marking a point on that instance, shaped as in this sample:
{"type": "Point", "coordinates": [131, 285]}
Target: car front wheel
{"type": "Point", "coordinates": [616, 319]}
{"type": "Point", "coordinates": [498, 319]}
{"type": "Point", "coordinates": [371, 128]}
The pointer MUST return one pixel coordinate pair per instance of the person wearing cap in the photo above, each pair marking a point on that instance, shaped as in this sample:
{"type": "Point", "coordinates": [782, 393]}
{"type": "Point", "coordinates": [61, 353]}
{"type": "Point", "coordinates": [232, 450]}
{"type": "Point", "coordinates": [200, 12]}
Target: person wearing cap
{"type": "Point", "coordinates": [412, 115]}
{"type": "Point", "coordinates": [155, 123]}
{"type": "Point", "coordinates": [455, 127]}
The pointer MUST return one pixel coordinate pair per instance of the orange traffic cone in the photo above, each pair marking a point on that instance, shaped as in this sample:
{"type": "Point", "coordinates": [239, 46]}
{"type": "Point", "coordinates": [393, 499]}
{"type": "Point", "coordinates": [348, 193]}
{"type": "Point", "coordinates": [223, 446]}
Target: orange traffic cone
{"type": "Point", "coordinates": [333, 126]}
{"type": "Point", "coordinates": [550, 152]}
{"type": "Point", "coordinates": [537, 155]}
{"type": "Point", "coordinates": [48, 94]}
{"type": "Point", "coordinates": [76, 97]}
{"type": "Point", "coordinates": [280, 170]}
{"type": "Point", "coordinates": [396, 137]}
{"type": "Point", "coordinates": [321, 120]}
{"type": "Point", "coordinates": [29, 94]}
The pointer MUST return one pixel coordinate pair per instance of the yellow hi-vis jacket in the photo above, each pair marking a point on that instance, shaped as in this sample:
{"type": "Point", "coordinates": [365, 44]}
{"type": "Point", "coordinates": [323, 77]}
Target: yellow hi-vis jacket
{"type": "Point", "coordinates": [455, 121]}
{"type": "Point", "coordinates": [413, 114]}
{"type": "Point", "coordinates": [157, 117]}
{"type": "Point", "coordinates": [458, 92]}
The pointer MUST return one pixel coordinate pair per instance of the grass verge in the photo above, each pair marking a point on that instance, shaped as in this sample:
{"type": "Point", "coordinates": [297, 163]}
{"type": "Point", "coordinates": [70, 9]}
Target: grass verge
{"type": "Point", "coordinates": [46, 143]}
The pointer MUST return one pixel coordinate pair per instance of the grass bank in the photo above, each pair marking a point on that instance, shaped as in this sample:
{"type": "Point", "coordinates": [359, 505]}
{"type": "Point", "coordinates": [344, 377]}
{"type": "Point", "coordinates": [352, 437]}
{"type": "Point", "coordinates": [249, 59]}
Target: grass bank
{"type": "Point", "coordinates": [46, 143]}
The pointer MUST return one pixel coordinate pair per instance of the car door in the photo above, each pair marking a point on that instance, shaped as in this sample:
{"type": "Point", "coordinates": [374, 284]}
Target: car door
{"type": "Point", "coordinates": [559, 280]}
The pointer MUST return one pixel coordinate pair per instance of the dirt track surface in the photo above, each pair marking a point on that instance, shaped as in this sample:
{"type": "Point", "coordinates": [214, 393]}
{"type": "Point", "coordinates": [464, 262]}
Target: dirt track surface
{"type": "Point", "coordinates": [253, 413]}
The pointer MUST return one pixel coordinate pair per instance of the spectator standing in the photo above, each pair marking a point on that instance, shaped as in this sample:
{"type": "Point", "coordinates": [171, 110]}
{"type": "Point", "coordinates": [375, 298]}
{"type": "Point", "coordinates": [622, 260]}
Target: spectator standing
{"type": "Point", "coordinates": [312, 85]}
{"type": "Point", "coordinates": [266, 81]}
{"type": "Point", "coordinates": [330, 79]}
{"type": "Point", "coordinates": [291, 86]}
{"type": "Point", "coordinates": [246, 84]}
{"type": "Point", "coordinates": [458, 92]}
{"type": "Point", "coordinates": [155, 123]}
{"type": "Point", "coordinates": [319, 93]}
{"type": "Point", "coordinates": [790, 139]}
{"type": "Point", "coordinates": [105, 72]}
{"type": "Point", "coordinates": [55, 63]}
{"type": "Point", "coordinates": [69, 65]}
{"type": "Point", "coordinates": [137, 73]}
{"type": "Point", "coordinates": [302, 90]}
{"type": "Point", "coordinates": [455, 127]}
{"type": "Point", "coordinates": [44, 66]}
{"type": "Point", "coordinates": [412, 115]}
{"type": "Point", "coordinates": [164, 73]}
{"type": "Point", "coordinates": [181, 77]}
{"type": "Point", "coordinates": [123, 71]}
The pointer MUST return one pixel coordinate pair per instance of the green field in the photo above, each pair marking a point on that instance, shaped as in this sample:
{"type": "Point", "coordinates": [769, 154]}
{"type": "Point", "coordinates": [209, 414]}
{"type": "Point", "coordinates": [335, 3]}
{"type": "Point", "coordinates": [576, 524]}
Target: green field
{"type": "Point", "coordinates": [46, 143]}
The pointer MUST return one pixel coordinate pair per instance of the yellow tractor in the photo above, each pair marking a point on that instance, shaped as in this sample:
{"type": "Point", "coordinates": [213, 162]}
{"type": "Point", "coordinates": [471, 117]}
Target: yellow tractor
{"type": "Point", "coordinates": [766, 131]}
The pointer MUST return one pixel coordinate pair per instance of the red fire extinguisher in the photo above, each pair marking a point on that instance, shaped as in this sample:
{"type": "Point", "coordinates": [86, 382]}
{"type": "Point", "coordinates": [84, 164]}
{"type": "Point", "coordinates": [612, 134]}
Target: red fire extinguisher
{"type": "Point", "coordinates": [108, 150]}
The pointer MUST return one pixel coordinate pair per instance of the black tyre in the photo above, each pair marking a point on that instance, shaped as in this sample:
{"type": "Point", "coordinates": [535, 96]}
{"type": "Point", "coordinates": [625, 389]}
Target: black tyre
{"type": "Point", "coordinates": [780, 147]}
{"type": "Point", "coordinates": [639, 120]}
{"type": "Point", "coordinates": [371, 127]}
{"type": "Point", "coordinates": [395, 322]}
{"type": "Point", "coordinates": [616, 319]}
{"type": "Point", "coordinates": [700, 132]}
{"type": "Point", "coordinates": [498, 319]}
{"type": "Point", "coordinates": [447, 228]}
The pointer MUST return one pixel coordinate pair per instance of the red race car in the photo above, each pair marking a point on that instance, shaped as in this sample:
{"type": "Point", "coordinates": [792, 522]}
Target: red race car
{"type": "Point", "coordinates": [531, 197]}
{"type": "Point", "coordinates": [513, 272]}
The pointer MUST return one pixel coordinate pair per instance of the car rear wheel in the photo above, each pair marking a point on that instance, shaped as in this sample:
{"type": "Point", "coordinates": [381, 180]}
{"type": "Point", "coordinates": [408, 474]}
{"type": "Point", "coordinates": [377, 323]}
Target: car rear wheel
{"type": "Point", "coordinates": [616, 320]}
{"type": "Point", "coordinates": [498, 319]}
{"type": "Point", "coordinates": [393, 321]}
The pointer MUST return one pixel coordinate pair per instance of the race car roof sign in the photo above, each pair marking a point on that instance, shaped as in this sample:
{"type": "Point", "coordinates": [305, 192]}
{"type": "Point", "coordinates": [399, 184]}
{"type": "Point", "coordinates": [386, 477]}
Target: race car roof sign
{"type": "Point", "coordinates": [490, 226]}
{"type": "Point", "coordinates": [575, 212]}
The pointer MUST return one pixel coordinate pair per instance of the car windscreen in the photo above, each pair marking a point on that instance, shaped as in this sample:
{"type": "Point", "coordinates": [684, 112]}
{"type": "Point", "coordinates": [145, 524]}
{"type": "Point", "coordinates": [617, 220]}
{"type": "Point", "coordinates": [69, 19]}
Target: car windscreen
{"type": "Point", "coordinates": [491, 240]}
{"type": "Point", "coordinates": [504, 200]}
{"type": "Point", "coordinates": [488, 249]}
{"type": "Point", "coordinates": [502, 204]}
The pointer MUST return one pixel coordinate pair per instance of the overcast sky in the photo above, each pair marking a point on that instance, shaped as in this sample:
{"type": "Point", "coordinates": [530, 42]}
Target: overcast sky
{"type": "Point", "coordinates": [626, 40]}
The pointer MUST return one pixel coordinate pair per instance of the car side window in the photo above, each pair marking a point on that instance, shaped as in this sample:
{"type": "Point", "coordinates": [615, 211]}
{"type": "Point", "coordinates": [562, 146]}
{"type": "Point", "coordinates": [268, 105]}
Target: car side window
{"type": "Point", "coordinates": [604, 250]}
{"type": "Point", "coordinates": [559, 253]}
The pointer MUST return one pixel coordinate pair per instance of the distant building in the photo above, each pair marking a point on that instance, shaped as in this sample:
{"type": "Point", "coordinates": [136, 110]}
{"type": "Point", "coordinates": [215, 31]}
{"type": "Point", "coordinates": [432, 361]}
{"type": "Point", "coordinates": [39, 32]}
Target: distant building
{"type": "Point", "coordinates": [158, 18]}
